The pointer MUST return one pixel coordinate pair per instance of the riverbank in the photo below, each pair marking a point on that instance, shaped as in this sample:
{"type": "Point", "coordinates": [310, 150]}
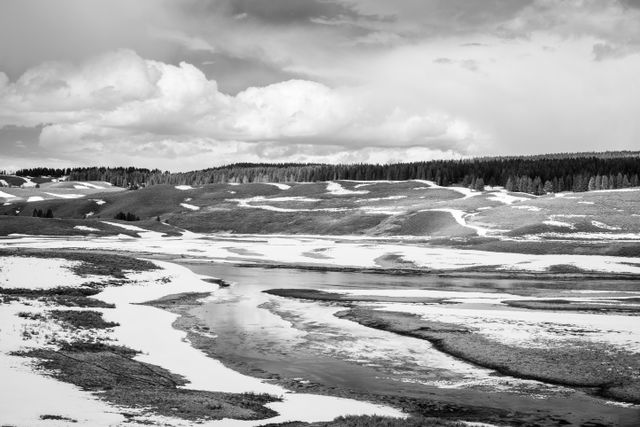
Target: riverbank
{"type": "Point", "coordinates": [126, 354]}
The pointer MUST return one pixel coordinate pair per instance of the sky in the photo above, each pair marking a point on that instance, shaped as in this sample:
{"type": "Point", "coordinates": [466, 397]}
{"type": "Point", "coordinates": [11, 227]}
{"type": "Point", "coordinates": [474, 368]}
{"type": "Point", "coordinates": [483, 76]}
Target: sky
{"type": "Point", "coordinates": [189, 84]}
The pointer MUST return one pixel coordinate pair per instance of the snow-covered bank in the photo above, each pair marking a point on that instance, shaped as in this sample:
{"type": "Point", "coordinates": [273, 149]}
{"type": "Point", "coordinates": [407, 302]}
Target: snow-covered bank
{"type": "Point", "coordinates": [149, 330]}
{"type": "Point", "coordinates": [343, 251]}
{"type": "Point", "coordinates": [38, 273]}
{"type": "Point", "coordinates": [25, 394]}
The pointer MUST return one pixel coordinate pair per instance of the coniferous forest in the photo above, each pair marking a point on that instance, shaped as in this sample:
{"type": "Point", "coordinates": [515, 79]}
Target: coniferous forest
{"type": "Point", "coordinates": [532, 174]}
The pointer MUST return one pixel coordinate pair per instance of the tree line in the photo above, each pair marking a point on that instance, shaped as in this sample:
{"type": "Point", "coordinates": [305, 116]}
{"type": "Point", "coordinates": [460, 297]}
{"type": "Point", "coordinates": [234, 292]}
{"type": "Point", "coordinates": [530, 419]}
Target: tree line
{"type": "Point", "coordinates": [533, 174]}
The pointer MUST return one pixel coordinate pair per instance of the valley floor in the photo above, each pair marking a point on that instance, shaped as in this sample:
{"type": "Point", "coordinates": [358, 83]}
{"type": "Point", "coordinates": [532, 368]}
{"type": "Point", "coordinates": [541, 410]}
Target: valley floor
{"type": "Point", "coordinates": [436, 332]}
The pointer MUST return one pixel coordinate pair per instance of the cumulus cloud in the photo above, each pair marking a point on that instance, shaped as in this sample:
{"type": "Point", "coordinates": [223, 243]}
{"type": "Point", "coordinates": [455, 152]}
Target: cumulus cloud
{"type": "Point", "coordinates": [210, 82]}
{"type": "Point", "coordinates": [121, 102]}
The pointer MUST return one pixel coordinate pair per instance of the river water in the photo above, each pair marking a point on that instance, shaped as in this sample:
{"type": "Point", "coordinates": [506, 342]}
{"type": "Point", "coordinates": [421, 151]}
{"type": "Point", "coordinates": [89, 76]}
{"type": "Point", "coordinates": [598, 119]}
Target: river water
{"type": "Point", "coordinates": [303, 341]}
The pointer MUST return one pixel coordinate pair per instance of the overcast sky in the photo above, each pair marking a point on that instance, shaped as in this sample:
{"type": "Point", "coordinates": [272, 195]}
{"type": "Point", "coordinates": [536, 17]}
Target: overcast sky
{"type": "Point", "coordinates": [186, 84]}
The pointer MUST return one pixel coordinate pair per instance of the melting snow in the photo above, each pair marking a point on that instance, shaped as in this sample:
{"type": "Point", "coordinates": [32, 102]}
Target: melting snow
{"type": "Point", "coordinates": [37, 273]}
{"type": "Point", "coordinates": [66, 196]}
{"type": "Point", "coordinates": [85, 228]}
{"type": "Point", "coordinates": [503, 196]}
{"type": "Point", "coordinates": [125, 226]}
{"type": "Point", "coordinates": [555, 223]}
{"type": "Point", "coordinates": [191, 207]}
{"type": "Point", "coordinates": [35, 199]}
{"type": "Point", "coordinates": [604, 226]}
{"type": "Point", "coordinates": [338, 190]}
{"type": "Point", "coordinates": [527, 208]}
{"type": "Point", "coordinates": [6, 195]}
{"type": "Point", "coordinates": [279, 185]}
{"type": "Point", "coordinates": [184, 187]}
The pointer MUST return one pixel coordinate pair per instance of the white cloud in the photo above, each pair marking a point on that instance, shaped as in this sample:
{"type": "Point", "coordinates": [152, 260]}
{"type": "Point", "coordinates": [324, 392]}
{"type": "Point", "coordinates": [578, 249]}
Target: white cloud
{"type": "Point", "coordinates": [121, 102]}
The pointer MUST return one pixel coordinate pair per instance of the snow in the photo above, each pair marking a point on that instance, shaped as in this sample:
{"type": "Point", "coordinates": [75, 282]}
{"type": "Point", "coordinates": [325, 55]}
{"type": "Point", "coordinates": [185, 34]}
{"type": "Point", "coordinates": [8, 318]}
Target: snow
{"type": "Point", "coordinates": [526, 208]}
{"type": "Point", "coordinates": [345, 251]}
{"type": "Point", "coordinates": [90, 185]}
{"type": "Point", "coordinates": [4, 183]}
{"type": "Point", "coordinates": [25, 395]}
{"type": "Point", "coordinates": [6, 195]}
{"type": "Point", "coordinates": [460, 217]}
{"type": "Point", "coordinates": [35, 199]}
{"type": "Point", "coordinates": [125, 226]}
{"type": "Point", "coordinates": [529, 327]}
{"type": "Point", "coordinates": [377, 199]}
{"type": "Point", "coordinates": [504, 197]}
{"type": "Point", "coordinates": [27, 182]}
{"type": "Point", "coordinates": [37, 273]}
{"type": "Point", "coordinates": [85, 228]}
{"type": "Point", "coordinates": [336, 189]}
{"type": "Point", "coordinates": [279, 185]}
{"type": "Point", "coordinates": [66, 196]}
{"type": "Point", "coordinates": [555, 223]}
{"type": "Point", "coordinates": [150, 330]}
{"type": "Point", "coordinates": [190, 207]}
{"type": "Point", "coordinates": [616, 190]}
{"type": "Point", "coordinates": [247, 203]}
{"type": "Point", "coordinates": [99, 202]}
{"type": "Point", "coordinates": [604, 226]}
{"type": "Point", "coordinates": [184, 187]}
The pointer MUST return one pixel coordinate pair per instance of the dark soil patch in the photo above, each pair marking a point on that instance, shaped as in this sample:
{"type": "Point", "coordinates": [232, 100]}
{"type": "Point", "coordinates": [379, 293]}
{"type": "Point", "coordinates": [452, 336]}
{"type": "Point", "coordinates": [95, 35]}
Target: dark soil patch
{"type": "Point", "coordinates": [123, 381]}
{"type": "Point", "coordinates": [64, 296]}
{"type": "Point", "coordinates": [613, 373]}
{"type": "Point", "coordinates": [564, 305]}
{"type": "Point", "coordinates": [375, 421]}
{"type": "Point", "coordinates": [83, 319]}
{"type": "Point", "coordinates": [57, 418]}
{"type": "Point", "coordinates": [98, 264]}
{"type": "Point", "coordinates": [315, 295]}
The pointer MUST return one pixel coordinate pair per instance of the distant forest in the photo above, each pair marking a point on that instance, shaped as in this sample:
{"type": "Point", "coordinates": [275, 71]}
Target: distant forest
{"type": "Point", "coordinates": [533, 174]}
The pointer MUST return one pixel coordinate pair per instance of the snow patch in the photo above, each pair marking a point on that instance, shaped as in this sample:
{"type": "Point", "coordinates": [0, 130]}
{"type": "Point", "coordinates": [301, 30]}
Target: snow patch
{"type": "Point", "coordinates": [279, 185]}
{"type": "Point", "coordinates": [604, 226]}
{"type": "Point", "coordinates": [336, 189]}
{"type": "Point", "coordinates": [504, 197]}
{"type": "Point", "coordinates": [35, 199]}
{"type": "Point", "coordinates": [554, 223]}
{"type": "Point", "coordinates": [184, 187]}
{"type": "Point", "coordinates": [377, 199]}
{"type": "Point", "coordinates": [125, 226]}
{"type": "Point", "coordinates": [526, 208]}
{"type": "Point", "coordinates": [66, 196]}
{"type": "Point", "coordinates": [190, 207]}
{"type": "Point", "coordinates": [85, 228]}
{"type": "Point", "coordinates": [37, 273]}
{"type": "Point", "coordinates": [6, 195]}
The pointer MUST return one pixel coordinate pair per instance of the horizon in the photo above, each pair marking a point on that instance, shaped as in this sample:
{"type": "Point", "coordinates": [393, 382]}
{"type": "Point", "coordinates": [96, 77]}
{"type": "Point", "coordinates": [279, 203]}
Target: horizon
{"type": "Point", "coordinates": [578, 154]}
{"type": "Point", "coordinates": [185, 85]}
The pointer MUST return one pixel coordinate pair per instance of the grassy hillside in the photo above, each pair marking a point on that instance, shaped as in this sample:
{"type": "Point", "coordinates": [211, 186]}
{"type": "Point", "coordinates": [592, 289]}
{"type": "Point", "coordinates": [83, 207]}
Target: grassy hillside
{"type": "Point", "coordinates": [400, 208]}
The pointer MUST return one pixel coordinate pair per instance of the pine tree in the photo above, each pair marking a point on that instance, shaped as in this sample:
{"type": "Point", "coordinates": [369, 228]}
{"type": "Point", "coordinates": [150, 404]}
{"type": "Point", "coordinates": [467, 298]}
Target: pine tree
{"type": "Point", "coordinates": [548, 187]}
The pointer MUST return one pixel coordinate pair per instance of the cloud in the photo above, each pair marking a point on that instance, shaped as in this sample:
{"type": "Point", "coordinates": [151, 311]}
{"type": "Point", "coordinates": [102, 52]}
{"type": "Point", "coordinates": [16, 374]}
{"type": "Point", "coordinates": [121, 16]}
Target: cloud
{"type": "Point", "coordinates": [120, 102]}
{"type": "Point", "coordinates": [229, 80]}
